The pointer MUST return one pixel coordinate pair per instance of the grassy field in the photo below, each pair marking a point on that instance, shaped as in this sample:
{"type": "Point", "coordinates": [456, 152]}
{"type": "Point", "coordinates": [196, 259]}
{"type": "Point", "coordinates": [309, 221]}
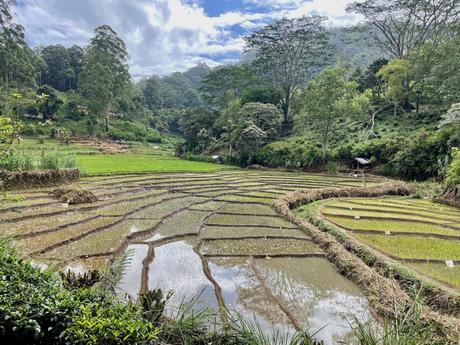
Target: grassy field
{"type": "Point", "coordinates": [419, 233]}
{"type": "Point", "coordinates": [133, 163]}
{"type": "Point", "coordinates": [97, 158]}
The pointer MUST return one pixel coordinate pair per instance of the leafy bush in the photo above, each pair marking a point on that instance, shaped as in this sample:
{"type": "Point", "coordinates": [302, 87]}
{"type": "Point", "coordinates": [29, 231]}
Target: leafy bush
{"type": "Point", "coordinates": [453, 173]}
{"type": "Point", "coordinates": [422, 155]}
{"type": "Point", "coordinates": [332, 167]}
{"type": "Point", "coordinates": [134, 131]}
{"type": "Point", "coordinates": [381, 150]}
{"type": "Point", "coordinates": [290, 155]}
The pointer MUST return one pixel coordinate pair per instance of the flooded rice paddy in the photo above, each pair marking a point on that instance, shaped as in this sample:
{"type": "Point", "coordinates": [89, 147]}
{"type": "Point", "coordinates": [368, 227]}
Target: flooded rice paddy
{"type": "Point", "coordinates": [211, 236]}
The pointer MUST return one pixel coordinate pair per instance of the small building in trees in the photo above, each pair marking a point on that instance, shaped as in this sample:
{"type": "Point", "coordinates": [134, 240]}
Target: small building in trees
{"type": "Point", "coordinates": [361, 163]}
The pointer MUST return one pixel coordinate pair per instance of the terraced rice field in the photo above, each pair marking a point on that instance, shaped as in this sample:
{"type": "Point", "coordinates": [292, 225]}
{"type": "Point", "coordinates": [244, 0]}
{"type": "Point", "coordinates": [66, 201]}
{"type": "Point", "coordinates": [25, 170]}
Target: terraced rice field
{"type": "Point", "coordinates": [423, 235]}
{"type": "Point", "coordinates": [213, 235]}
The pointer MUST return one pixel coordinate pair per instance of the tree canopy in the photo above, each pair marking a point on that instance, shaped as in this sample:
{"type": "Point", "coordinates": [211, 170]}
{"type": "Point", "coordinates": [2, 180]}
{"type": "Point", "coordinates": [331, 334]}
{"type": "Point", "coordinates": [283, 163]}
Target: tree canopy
{"type": "Point", "coordinates": [290, 52]}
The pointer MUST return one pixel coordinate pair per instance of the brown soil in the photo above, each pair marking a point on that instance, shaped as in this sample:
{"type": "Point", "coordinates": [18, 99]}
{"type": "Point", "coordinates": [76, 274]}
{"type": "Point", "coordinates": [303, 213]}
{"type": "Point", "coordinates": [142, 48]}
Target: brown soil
{"type": "Point", "coordinates": [39, 178]}
{"type": "Point", "coordinates": [107, 146]}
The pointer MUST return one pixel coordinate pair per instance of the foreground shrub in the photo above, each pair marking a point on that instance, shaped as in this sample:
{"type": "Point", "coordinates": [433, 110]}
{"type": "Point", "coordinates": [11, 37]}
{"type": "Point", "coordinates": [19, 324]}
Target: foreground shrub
{"type": "Point", "coordinates": [118, 324]}
{"type": "Point", "coordinates": [35, 308]}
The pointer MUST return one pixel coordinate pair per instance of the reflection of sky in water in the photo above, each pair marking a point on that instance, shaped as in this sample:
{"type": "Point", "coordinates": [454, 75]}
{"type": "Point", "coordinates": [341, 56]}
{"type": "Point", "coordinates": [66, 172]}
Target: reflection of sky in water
{"type": "Point", "coordinates": [131, 281]}
{"type": "Point", "coordinates": [177, 267]}
{"type": "Point", "coordinates": [243, 294]}
{"type": "Point", "coordinates": [320, 298]}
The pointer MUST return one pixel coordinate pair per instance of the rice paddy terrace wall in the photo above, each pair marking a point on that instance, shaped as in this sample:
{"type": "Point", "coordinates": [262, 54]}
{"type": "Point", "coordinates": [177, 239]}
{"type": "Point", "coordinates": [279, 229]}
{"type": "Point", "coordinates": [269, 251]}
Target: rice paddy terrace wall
{"type": "Point", "coordinates": [365, 265]}
{"type": "Point", "coordinates": [39, 178]}
{"type": "Point", "coordinates": [214, 234]}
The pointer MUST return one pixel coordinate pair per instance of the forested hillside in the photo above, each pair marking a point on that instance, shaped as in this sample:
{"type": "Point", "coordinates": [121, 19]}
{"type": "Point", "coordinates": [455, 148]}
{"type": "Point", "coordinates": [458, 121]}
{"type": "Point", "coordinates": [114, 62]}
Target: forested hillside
{"type": "Point", "coordinates": [304, 95]}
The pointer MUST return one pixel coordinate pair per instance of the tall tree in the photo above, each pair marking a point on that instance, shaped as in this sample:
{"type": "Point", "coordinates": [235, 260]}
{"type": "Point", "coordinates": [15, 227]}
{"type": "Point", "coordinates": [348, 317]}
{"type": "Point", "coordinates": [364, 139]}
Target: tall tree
{"type": "Point", "coordinates": [15, 55]}
{"type": "Point", "coordinates": [396, 75]}
{"type": "Point", "coordinates": [332, 103]}
{"type": "Point", "coordinates": [223, 84]}
{"type": "Point", "coordinates": [96, 84]}
{"type": "Point", "coordinates": [57, 72]}
{"type": "Point", "coordinates": [76, 54]}
{"type": "Point", "coordinates": [289, 52]}
{"type": "Point", "coordinates": [403, 25]}
{"type": "Point", "coordinates": [106, 54]}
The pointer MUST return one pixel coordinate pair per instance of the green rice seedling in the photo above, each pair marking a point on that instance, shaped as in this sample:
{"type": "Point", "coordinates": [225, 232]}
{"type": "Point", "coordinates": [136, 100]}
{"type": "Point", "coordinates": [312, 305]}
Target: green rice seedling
{"type": "Point", "coordinates": [382, 209]}
{"type": "Point", "coordinates": [262, 194]}
{"type": "Point", "coordinates": [391, 225]}
{"type": "Point", "coordinates": [40, 224]}
{"type": "Point", "coordinates": [413, 247]}
{"type": "Point", "coordinates": [260, 247]}
{"type": "Point", "coordinates": [248, 209]}
{"type": "Point", "coordinates": [238, 232]}
{"type": "Point", "coordinates": [330, 211]}
{"type": "Point", "coordinates": [184, 223]}
{"type": "Point", "coordinates": [232, 219]}
{"type": "Point", "coordinates": [440, 272]}
{"type": "Point", "coordinates": [105, 241]}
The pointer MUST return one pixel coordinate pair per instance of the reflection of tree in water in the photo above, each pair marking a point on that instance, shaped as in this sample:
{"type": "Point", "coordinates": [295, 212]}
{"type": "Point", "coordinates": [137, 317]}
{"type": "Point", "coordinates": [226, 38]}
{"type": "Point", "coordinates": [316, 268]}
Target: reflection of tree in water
{"type": "Point", "coordinates": [244, 293]}
{"type": "Point", "coordinates": [315, 306]}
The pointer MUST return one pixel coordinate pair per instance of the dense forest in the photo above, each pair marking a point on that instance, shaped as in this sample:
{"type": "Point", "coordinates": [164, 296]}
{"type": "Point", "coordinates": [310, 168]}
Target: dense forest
{"type": "Point", "coordinates": [303, 96]}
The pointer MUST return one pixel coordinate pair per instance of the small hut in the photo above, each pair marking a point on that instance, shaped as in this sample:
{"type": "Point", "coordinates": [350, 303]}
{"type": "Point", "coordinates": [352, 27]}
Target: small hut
{"type": "Point", "coordinates": [361, 163]}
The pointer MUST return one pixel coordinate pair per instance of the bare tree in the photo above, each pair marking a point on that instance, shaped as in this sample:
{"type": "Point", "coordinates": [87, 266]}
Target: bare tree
{"type": "Point", "coordinates": [289, 52]}
{"type": "Point", "coordinates": [403, 25]}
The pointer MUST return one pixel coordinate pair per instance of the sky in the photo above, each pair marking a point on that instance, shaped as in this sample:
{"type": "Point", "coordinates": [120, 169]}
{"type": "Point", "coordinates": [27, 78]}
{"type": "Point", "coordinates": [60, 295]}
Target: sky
{"type": "Point", "coordinates": [164, 36]}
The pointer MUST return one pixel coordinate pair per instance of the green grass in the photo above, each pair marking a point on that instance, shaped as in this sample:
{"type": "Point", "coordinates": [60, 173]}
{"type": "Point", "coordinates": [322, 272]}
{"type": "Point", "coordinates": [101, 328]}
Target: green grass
{"type": "Point", "coordinates": [143, 157]}
{"type": "Point", "coordinates": [129, 163]}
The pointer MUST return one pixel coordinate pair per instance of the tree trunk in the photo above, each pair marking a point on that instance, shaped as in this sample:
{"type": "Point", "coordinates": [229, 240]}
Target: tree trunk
{"type": "Point", "coordinates": [287, 125]}
{"type": "Point", "coordinates": [107, 118]}
{"type": "Point", "coordinates": [6, 91]}
{"type": "Point", "coordinates": [325, 143]}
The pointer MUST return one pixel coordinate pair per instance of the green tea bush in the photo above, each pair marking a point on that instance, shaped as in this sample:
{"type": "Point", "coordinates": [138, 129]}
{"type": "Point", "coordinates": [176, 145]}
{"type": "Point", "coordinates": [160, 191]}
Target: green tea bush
{"type": "Point", "coordinates": [118, 324]}
{"type": "Point", "coordinates": [35, 308]}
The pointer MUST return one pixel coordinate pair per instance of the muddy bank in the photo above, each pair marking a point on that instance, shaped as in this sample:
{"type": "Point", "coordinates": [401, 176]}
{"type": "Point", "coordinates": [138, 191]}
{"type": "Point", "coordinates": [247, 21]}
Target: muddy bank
{"type": "Point", "coordinates": [39, 178]}
{"type": "Point", "coordinates": [386, 288]}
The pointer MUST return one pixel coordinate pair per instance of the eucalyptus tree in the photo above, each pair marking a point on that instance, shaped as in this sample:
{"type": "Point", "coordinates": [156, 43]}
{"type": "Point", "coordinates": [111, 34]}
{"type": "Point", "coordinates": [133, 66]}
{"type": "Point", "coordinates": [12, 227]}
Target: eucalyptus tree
{"type": "Point", "coordinates": [105, 61]}
{"type": "Point", "coordinates": [15, 55]}
{"type": "Point", "coordinates": [289, 52]}
{"type": "Point", "coordinates": [404, 25]}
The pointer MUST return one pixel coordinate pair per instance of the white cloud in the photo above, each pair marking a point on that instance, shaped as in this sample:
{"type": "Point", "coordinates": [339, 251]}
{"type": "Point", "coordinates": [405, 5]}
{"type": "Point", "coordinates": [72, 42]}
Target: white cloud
{"type": "Point", "coordinates": [162, 35]}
